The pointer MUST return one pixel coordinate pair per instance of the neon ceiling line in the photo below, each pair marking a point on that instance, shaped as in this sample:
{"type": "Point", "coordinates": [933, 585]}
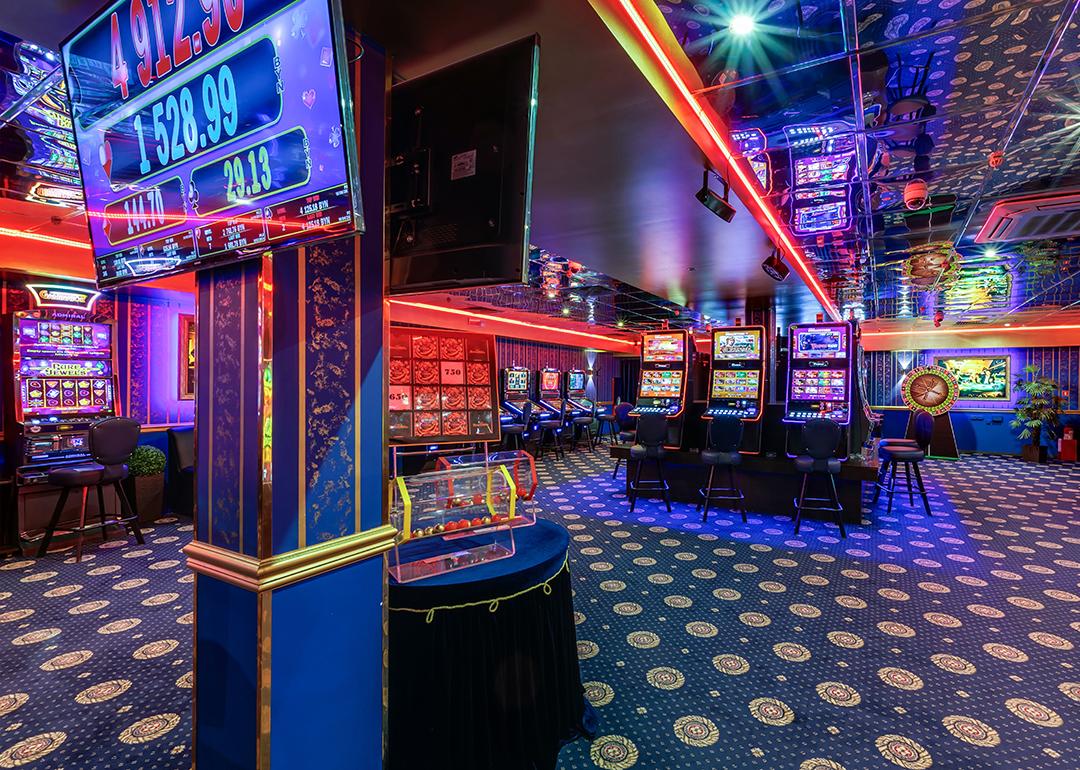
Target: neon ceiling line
{"type": "Point", "coordinates": [661, 56]}
{"type": "Point", "coordinates": [44, 238]}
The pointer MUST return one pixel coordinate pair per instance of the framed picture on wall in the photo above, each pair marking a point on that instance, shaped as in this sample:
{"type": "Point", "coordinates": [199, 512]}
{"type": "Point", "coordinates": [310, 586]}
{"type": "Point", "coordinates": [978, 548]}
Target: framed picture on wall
{"type": "Point", "coordinates": [981, 378]}
{"type": "Point", "coordinates": [187, 357]}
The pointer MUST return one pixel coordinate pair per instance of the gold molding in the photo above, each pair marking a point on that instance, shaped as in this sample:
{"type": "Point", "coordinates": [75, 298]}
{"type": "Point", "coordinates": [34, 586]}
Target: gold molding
{"type": "Point", "coordinates": [285, 569]}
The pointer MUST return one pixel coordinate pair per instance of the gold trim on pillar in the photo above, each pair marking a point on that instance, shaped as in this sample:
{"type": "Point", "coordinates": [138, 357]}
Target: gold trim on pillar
{"type": "Point", "coordinates": [262, 749]}
{"type": "Point", "coordinates": [285, 569]}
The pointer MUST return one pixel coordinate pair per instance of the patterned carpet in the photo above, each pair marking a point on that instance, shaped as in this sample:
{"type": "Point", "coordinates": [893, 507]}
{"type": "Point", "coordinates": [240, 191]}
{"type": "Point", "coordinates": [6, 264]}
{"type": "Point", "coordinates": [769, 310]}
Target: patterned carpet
{"type": "Point", "coordinates": [95, 658]}
{"type": "Point", "coordinates": [915, 643]}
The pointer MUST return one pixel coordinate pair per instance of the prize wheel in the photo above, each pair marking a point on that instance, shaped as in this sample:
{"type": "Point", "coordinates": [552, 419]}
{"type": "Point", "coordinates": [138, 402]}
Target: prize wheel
{"type": "Point", "coordinates": [930, 389]}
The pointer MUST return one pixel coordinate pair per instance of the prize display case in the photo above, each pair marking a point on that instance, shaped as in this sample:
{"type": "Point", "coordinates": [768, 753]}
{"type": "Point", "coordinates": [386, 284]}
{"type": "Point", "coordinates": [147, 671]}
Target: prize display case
{"type": "Point", "coordinates": [451, 519]}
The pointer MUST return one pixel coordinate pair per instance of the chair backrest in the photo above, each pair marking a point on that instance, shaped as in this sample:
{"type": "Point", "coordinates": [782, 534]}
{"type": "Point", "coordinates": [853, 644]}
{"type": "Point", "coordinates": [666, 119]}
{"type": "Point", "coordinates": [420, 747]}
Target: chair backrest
{"type": "Point", "coordinates": [820, 436]}
{"type": "Point", "coordinates": [622, 415]}
{"type": "Point", "coordinates": [652, 430]}
{"type": "Point", "coordinates": [113, 439]}
{"type": "Point", "coordinates": [924, 429]}
{"type": "Point", "coordinates": [182, 448]}
{"type": "Point", "coordinates": [526, 413]}
{"type": "Point", "coordinates": [725, 433]}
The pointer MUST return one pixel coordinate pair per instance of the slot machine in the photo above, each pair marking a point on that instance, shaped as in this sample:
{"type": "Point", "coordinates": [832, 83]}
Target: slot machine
{"type": "Point", "coordinates": [516, 383]}
{"type": "Point", "coordinates": [65, 378]}
{"type": "Point", "coordinates": [574, 391]}
{"type": "Point", "coordinates": [822, 160]}
{"type": "Point", "coordinates": [551, 397]}
{"type": "Point", "coordinates": [665, 370]}
{"type": "Point", "coordinates": [819, 374]}
{"type": "Point", "coordinates": [737, 379]}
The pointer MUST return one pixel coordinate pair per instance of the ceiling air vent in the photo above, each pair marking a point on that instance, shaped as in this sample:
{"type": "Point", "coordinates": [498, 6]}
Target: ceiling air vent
{"type": "Point", "coordinates": [1033, 217]}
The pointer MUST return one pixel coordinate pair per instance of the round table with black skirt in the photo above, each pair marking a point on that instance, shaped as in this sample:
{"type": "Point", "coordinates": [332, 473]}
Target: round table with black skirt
{"type": "Point", "coordinates": [483, 667]}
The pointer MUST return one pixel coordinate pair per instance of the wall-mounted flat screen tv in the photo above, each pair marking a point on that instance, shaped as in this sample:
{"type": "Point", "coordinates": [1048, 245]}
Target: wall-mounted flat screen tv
{"type": "Point", "coordinates": [981, 378]}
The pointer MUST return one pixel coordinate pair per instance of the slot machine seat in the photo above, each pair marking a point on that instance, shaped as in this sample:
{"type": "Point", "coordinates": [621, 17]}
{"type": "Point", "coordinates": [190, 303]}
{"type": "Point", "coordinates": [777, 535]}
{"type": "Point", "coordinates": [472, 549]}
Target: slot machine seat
{"type": "Point", "coordinates": [608, 426]}
{"type": "Point", "coordinates": [516, 430]}
{"type": "Point", "coordinates": [651, 434]}
{"type": "Point", "coordinates": [583, 426]}
{"type": "Point", "coordinates": [820, 437]}
{"type": "Point", "coordinates": [112, 441]}
{"type": "Point", "coordinates": [910, 453]}
{"type": "Point", "coordinates": [551, 434]}
{"type": "Point", "coordinates": [722, 450]}
{"type": "Point", "coordinates": [627, 432]}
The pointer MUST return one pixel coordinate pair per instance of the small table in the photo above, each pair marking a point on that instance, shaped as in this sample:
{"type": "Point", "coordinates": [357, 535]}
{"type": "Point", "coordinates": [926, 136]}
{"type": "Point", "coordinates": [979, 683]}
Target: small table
{"type": "Point", "coordinates": [483, 667]}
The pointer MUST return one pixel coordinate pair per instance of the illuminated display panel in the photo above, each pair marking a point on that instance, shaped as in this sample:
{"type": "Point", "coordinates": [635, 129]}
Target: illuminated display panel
{"type": "Point", "coordinates": [737, 345]}
{"type": "Point", "coordinates": [663, 347]}
{"type": "Point", "coordinates": [576, 381]}
{"type": "Point", "coordinates": [517, 380]}
{"type": "Point", "coordinates": [661, 384]}
{"type": "Point", "coordinates": [812, 342]}
{"type": "Point", "coordinates": [209, 130]}
{"type": "Point", "coordinates": [735, 384]}
{"type": "Point", "coordinates": [980, 378]}
{"type": "Point", "coordinates": [549, 381]}
{"type": "Point", "coordinates": [819, 385]}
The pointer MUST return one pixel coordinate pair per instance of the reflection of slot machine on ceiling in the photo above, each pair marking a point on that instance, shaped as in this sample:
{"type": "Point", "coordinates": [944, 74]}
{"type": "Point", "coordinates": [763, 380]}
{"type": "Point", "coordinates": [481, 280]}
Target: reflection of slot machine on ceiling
{"type": "Point", "coordinates": [819, 373]}
{"type": "Point", "coordinates": [752, 145]}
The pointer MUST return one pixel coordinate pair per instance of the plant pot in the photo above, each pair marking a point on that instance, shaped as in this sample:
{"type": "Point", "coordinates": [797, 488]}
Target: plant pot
{"type": "Point", "coordinates": [149, 496]}
{"type": "Point", "coordinates": [1033, 454]}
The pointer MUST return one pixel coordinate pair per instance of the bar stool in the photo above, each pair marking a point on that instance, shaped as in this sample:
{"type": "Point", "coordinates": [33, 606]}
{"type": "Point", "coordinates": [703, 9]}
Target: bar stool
{"type": "Point", "coordinates": [820, 437]}
{"type": "Point", "coordinates": [551, 429]}
{"type": "Point", "coordinates": [583, 426]}
{"type": "Point", "coordinates": [892, 455]}
{"type": "Point", "coordinates": [651, 432]}
{"type": "Point", "coordinates": [112, 441]}
{"type": "Point", "coordinates": [722, 450]}
{"type": "Point", "coordinates": [627, 432]}
{"type": "Point", "coordinates": [516, 430]}
{"type": "Point", "coordinates": [608, 426]}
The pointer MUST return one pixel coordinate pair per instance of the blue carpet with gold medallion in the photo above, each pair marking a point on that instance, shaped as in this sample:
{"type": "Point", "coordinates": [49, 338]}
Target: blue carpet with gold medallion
{"type": "Point", "coordinates": [915, 643]}
{"type": "Point", "coordinates": [95, 657]}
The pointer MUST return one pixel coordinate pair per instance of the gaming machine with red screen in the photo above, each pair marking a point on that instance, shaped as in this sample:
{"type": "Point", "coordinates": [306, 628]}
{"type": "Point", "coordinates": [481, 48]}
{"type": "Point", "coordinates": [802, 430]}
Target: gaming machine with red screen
{"type": "Point", "coordinates": [665, 370]}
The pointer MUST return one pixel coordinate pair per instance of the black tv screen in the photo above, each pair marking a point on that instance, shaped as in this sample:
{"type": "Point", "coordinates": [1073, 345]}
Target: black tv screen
{"type": "Point", "coordinates": [460, 176]}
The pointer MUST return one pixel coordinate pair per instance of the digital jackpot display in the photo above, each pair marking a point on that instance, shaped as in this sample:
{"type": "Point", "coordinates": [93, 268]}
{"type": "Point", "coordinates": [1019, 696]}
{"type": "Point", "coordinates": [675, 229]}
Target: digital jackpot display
{"type": "Point", "coordinates": [210, 130]}
{"type": "Point", "coordinates": [663, 347]}
{"type": "Point", "coordinates": [64, 368]}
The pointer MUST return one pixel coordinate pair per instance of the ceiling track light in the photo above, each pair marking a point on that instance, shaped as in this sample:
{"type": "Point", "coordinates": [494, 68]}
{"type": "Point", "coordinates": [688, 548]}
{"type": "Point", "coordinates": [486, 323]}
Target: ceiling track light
{"type": "Point", "coordinates": [774, 266]}
{"type": "Point", "coordinates": [713, 202]}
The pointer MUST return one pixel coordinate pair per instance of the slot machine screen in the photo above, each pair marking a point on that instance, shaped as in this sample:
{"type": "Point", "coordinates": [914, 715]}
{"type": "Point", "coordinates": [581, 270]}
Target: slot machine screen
{"type": "Point", "coordinates": [661, 384]}
{"type": "Point", "coordinates": [549, 381]}
{"type": "Point", "coordinates": [819, 384]}
{"type": "Point", "coordinates": [822, 170]}
{"type": "Point", "coordinates": [810, 343]}
{"type": "Point", "coordinates": [737, 345]}
{"type": "Point", "coordinates": [663, 347]}
{"type": "Point", "coordinates": [517, 380]}
{"type": "Point", "coordinates": [576, 381]}
{"type": "Point", "coordinates": [735, 384]}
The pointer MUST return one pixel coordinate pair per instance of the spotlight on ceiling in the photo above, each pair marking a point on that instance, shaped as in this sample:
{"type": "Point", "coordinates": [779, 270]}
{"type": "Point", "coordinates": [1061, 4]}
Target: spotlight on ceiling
{"type": "Point", "coordinates": [713, 202]}
{"type": "Point", "coordinates": [741, 24]}
{"type": "Point", "coordinates": [774, 266]}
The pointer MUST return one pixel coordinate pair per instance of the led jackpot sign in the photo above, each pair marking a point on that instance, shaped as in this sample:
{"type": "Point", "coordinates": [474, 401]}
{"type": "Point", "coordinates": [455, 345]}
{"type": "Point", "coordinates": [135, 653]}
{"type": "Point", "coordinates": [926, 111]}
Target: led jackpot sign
{"type": "Point", "coordinates": [210, 130]}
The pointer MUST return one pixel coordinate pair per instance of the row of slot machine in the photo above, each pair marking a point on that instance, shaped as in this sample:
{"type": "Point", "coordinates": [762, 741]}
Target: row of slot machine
{"type": "Point", "coordinates": [820, 378]}
{"type": "Point", "coordinates": [548, 391]}
{"type": "Point", "coordinates": [63, 368]}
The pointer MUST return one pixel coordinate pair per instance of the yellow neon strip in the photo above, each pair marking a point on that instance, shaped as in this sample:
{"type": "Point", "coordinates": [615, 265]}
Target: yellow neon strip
{"type": "Point", "coordinates": [406, 523]}
{"type": "Point", "coordinates": [513, 490]}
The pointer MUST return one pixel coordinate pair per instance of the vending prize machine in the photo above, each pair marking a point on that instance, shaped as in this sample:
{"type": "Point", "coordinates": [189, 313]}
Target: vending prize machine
{"type": "Point", "coordinates": [64, 366]}
{"type": "Point", "coordinates": [819, 375]}
{"type": "Point", "coordinates": [737, 379]}
{"type": "Point", "coordinates": [665, 367]}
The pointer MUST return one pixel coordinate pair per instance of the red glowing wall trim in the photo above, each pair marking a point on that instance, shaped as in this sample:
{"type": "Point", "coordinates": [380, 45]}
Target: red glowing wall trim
{"type": "Point", "coordinates": [44, 238]}
{"type": "Point", "coordinates": [638, 30]}
{"type": "Point", "coordinates": [976, 330]}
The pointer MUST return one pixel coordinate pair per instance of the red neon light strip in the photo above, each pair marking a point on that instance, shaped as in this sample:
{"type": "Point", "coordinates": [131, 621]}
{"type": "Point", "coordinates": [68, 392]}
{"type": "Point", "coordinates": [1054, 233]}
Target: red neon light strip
{"type": "Point", "coordinates": [980, 330]}
{"type": "Point", "coordinates": [706, 122]}
{"type": "Point", "coordinates": [44, 238]}
{"type": "Point", "coordinates": [514, 321]}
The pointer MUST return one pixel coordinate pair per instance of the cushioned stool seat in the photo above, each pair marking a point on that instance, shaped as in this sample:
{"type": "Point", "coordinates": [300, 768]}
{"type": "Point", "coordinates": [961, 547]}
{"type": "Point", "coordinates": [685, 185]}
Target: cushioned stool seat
{"type": "Point", "coordinates": [86, 475]}
{"type": "Point", "coordinates": [821, 437]}
{"type": "Point", "coordinates": [910, 452]}
{"type": "Point", "coordinates": [709, 457]}
{"type": "Point", "coordinates": [804, 464]}
{"type": "Point", "coordinates": [641, 452]}
{"type": "Point", "coordinates": [722, 450]}
{"type": "Point", "coordinates": [652, 430]}
{"type": "Point", "coordinates": [902, 453]}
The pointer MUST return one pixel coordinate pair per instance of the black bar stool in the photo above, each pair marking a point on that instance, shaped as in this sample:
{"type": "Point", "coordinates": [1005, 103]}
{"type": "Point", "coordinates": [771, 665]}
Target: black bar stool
{"type": "Point", "coordinates": [910, 454]}
{"type": "Point", "coordinates": [608, 427]}
{"type": "Point", "coordinates": [723, 440]}
{"type": "Point", "coordinates": [627, 430]}
{"type": "Point", "coordinates": [112, 441]}
{"type": "Point", "coordinates": [551, 434]}
{"type": "Point", "coordinates": [582, 426]}
{"type": "Point", "coordinates": [514, 432]}
{"type": "Point", "coordinates": [820, 438]}
{"type": "Point", "coordinates": [652, 430]}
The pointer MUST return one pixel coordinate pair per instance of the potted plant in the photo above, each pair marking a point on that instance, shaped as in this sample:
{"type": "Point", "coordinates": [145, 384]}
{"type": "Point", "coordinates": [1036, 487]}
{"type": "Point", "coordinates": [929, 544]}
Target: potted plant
{"type": "Point", "coordinates": [1037, 407]}
{"type": "Point", "coordinates": [147, 480]}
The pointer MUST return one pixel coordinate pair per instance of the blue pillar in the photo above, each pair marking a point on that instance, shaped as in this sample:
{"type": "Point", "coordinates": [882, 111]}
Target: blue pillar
{"type": "Point", "coordinates": [290, 521]}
